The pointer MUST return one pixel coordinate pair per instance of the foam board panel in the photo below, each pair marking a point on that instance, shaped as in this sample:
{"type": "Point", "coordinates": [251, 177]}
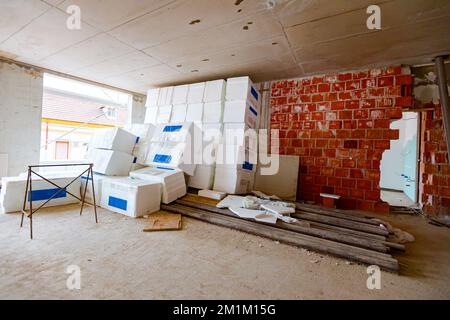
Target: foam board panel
{"type": "Point", "coordinates": [116, 139]}
{"type": "Point", "coordinates": [241, 111]}
{"type": "Point", "coordinates": [196, 92]}
{"type": "Point", "coordinates": [180, 93]}
{"type": "Point", "coordinates": [213, 112]}
{"type": "Point", "coordinates": [194, 112]}
{"type": "Point", "coordinates": [112, 163]}
{"type": "Point", "coordinates": [215, 91]}
{"type": "Point", "coordinates": [178, 113]}
{"type": "Point", "coordinates": [242, 88]}
{"type": "Point", "coordinates": [152, 97]}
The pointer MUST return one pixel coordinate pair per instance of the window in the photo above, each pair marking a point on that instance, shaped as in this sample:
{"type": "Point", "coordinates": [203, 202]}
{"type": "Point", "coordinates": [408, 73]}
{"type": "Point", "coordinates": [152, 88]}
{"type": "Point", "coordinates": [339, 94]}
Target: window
{"type": "Point", "coordinates": [72, 111]}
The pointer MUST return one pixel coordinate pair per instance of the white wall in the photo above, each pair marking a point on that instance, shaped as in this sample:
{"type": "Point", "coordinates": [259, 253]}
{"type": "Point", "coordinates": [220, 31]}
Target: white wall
{"type": "Point", "coordinates": [20, 116]}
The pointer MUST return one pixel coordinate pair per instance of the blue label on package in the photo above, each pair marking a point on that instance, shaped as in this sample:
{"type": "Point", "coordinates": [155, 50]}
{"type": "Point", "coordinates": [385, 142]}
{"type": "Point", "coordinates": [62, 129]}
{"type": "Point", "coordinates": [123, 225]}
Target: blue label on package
{"type": "Point", "coordinates": [162, 158]}
{"type": "Point", "coordinates": [45, 194]}
{"type": "Point", "coordinates": [117, 203]}
{"type": "Point", "coordinates": [172, 128]}
{"type": "Point", "coordinates": [253, 111]}
{"type": "Point", "coordinates": [254, 93]}
{"type": "Point", "coordinates": [247, 166]}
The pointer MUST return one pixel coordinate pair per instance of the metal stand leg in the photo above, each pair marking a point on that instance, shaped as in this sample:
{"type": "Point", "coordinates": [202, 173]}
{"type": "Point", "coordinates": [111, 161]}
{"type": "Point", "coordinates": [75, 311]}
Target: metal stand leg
{"type": "Point", "coordinates": [25, 197]}
{"type": "Point", "coordinates": [84, 193]}
{"type": "Point", "coordinates": [31, 206]}
{"type": "Point", "coordinates": [93, 192]}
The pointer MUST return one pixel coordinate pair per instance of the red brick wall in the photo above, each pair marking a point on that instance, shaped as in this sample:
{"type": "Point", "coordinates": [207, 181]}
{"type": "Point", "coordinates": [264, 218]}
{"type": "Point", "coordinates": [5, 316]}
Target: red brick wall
{"type": "Point", "coordinates": [339, 127]}
{"type": "Point", "coordinates": [435, 168]}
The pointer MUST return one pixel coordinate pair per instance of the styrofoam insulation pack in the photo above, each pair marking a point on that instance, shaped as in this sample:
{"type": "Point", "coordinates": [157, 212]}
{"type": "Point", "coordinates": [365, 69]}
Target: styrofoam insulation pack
{"type": "Point", "coordinates": [111, 163]}
{"type": "Point", "coordinates": [144, 133]}
{"type": "Point", "coordinates": [241, 111]}
{"type": "Point", "coordinates": [215, 90]}
{"type": "Point", "coordinates": [242, 88]}
{"type": "Point", "coordinates": [116, 139]}
{"type": "Point", "coordinates": [171, 179]}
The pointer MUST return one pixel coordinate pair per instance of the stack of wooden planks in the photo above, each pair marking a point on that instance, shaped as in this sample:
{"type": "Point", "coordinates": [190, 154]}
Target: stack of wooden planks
{"type": "Point", "coordinates": [337, 232]}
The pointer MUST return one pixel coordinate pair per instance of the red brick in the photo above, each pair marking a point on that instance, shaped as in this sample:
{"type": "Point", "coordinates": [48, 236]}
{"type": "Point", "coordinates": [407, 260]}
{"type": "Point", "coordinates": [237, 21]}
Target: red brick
{"type": "Point", "coordinates": [345, 76]}
{"type": "Point", "coordinates": [342, 134]}
{"type": "Point", "coordinates": [357, 193]}
{"type": "Point", "coordinates": [338, 86]}
{"type": "Point", "coordinates": [364, 164]}
{"type": "Point", "coordinates": [368, 103]}
{"type": "Point", "coordinates": [358, 134]}
{"type": "Point", "coordinates": [377, 114]}
{"type": "Point", "coordinates": [393, 70]}
{"type": "Point", "coordinates": [334, 163]}
{"type": "Point", "coordinates": [376, 92]}
{"type": "Point", "coordinates": [366, 144]}
{"type": "Point", "coordinates": [403, 102]}
{"type": "Point", "coordinates": [391, 134]}
{"type": "Point", "coordinates": [365, 124]}
{"type": "Point", "coordinates": [342, 172]}
{"type": "Point", "coordinates": [348, 183]}
{"type": "Point", "coordinates": [337, 105]}
{"type": "Point", "coordinates": [345, 96]}
{"type": "Point", "coordinates": [386, 81]}
{"type": "Point", "coordinates": [350, 124]}
{"type": "Point", "coordinates": [356, 174]}
{"type": "Point", "coordinates": [364, 184]}
{"type": "Point", "coordinates": [291, 134]}
{"type": "Point", "coordinates": [316, 98]}
{"type": "Point", "coordinates": [394, 113]}
{"type": "Point", "coordinates": [360, 75]}
{"type": "Point", "coordinates": [360, 114]}
{"type": "Point", "coordinates": [334, 143]}
{"type": "Point", "coordinates": [352, 85]}
{"type": "Point", "coordinates": [373, 195]}
{"type": "Point", "coordinates": [382, 123]}
{"type": "Point", "coordinates": [352, 104]}
{"type": "Point", "coordinates": [330, 153]}
{"type": "Point", "coordinates": [317, 116]}
{"type": "Point", "coordinates": [317, 80]}
{"type": "Point", "coordinates": [347, 114]}
{"type": "Point", "coordinates": [335, 124]}
{"type": "Point", "coordinates": [368, 83]}
{"type": "Point", "coordinates": [324, 87]}
{"type": "Point", "coordinates": [348, 163]}
{"type": "Point", "coordinates": [375, 134]}
{"type": "Point", "coordinates": [382, 207]}
{"type": "Point", "coordinates": [403, 80]}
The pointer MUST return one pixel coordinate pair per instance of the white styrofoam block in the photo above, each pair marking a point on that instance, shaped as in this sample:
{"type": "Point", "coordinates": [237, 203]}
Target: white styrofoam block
{"type": "Point", "coordinates": [112, 163]}
{"type": "Point", "coordinates": [240, 134]}
{"type": "Point", "coordinates": [231, 180]}
{"type": "Point", "coordinates": [216, 195]}
{"type": "Point", "coordinates": [213, 112]}
{"type": "Point", "coordinates": [151, 114]}
{"type": "Point", "coordinates": [165, 96]}
{"type": "Point", "coordinates": [180, 93]}
{"type": "Point", "coordinates": [212, 132]}
{"type": "Point", "coordinates": [116, 139]}
{"type": "Point", "coordinates": [152, 97]}
{"type": "Point", "coordinates": [178, 113]}
{"type": "Point", "coordinates": [144, 132]}
{"type": "Point", "coordinates": [13, 189]}
{"type": "Point", "coordinates": [171, 154]}
{"type": "Point", "coordinates": [203, 177]}
{"type": "Point", "coordinates": [236, 155]}
{"type": "Point", "coordinates": [131, 197]}
{"type": "Point", "coordinates": [242, 88]}
{"type": "Point", "coordinates": [172, 180]}
{"type": "Point", "coordinates": [194, 112]}
{"type": "Point", "coordinates": [164, 113]}
{"type": "Point", "coordinates": [215, 90]}
{"type": "Point", "coordinates": [98, 179]}
{"type": "Point", "coordinates": [241, 111]}
{"type": "Point", "coordinates": [179, 132]}
{"type": "Point", "coordinates": [196, 92]}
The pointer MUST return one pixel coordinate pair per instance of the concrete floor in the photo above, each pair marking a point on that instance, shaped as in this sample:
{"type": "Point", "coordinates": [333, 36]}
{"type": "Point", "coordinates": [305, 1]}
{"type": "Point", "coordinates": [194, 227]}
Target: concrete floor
{"type": "Point", "coordinates": [202, 261]}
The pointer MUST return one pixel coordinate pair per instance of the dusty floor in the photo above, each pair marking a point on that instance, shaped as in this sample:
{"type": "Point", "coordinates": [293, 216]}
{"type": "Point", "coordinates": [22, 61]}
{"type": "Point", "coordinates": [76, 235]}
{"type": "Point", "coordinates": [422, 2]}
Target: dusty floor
{"type": "Point", "coordinates": [202, 261]}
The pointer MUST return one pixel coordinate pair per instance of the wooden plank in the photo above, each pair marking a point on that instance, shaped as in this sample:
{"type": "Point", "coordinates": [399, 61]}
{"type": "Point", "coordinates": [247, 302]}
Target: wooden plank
{"type": "Point", "coordinates": [163, 221]}
{"type": "Point", "coordinates": [340, 222]}
{"type": "Point", "coordinates": [334, 213]}
{"type": "Point", "coordinates": [324, 234]}
{"type": "Point", "coordinates": [370, 257]}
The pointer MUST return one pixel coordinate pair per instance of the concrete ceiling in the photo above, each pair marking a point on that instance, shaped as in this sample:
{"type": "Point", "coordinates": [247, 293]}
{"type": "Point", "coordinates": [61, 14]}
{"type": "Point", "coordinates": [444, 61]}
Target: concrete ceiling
{"type": "Point", "coordinates": [137, 44]}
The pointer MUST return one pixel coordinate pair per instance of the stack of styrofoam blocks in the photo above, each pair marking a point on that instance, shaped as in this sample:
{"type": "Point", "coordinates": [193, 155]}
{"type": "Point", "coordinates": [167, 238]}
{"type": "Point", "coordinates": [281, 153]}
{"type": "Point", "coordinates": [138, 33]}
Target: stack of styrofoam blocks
{"type": "Point", "coordinates": [113, 152]}
{"type": "Point", "coordinates": [110, 150]}
{"type": "Point", "coordinates": [173, 145]}
{"type": "Point", "coordinates": [214, 99]}
{"type": "Point", "coordinates": [237, 155]}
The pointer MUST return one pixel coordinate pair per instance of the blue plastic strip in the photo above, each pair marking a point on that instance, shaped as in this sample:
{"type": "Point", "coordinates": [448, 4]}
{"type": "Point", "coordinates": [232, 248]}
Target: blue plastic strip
{"type": "Point", "coordinates": [164, 168]}
{"type": "Point", "coordinates": [172, 128]}
{"type": "Point", "coordinates": [45, 194]}
{"type": "Point", "coordinates": [162, 158]}
{"type": "Point", "coordinates": [117, 203]}
{"type": "Point", "coordinates": [254, 93]}
{"type": "Point", "coordinates": [85, 178]}
{"type": "Point", "coordinates": [247, 166]}
{"type": "Point", "coordinates": [253, 111]}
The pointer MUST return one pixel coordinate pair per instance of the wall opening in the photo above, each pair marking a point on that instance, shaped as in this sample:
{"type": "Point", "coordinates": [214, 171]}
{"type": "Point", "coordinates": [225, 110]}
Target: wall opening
{"type": "Point", "coordinates": [71, 111]}
{"type": "Point", "coordinates": [399, 180]}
